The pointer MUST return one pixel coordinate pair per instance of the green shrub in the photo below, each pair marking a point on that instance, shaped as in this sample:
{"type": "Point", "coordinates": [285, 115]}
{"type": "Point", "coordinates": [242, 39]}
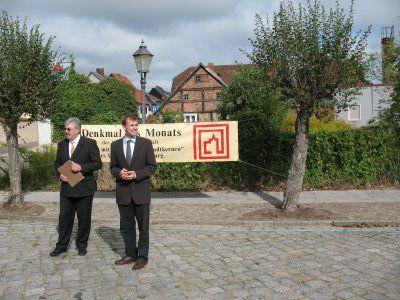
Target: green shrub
{"type": "Point", "coordinates": [166, 116]}
{"type": "Point", "coordinates": [249, 93]}
{"type": "Point", "coordinates": [355, 157]}
{"type": "Point", "coordinates": [368, 155]}
{"type": "Point", "coordinates": [38, 171]}
{"type": "Point", "coordinates": [316, 124]}
{"type": "Point", "coordinates": [101, 103]}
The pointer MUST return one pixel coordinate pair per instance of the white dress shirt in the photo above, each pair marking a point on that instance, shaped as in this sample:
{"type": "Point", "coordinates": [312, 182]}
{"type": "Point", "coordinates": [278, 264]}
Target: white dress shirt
{"type": "Point", "coordinates": [125, 142]}
{"type": "Point", "coordinates": [75, 142]}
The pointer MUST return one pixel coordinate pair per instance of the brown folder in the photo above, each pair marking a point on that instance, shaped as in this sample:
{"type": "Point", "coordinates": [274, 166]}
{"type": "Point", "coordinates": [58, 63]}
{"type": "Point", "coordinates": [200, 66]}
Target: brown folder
{"type": "Point", "coordinates": [73, 178]}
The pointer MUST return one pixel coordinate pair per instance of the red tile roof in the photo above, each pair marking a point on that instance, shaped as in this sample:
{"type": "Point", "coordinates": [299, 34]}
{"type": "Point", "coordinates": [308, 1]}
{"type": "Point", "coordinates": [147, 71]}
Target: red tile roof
{"type": "Point", "coordinates": [138, 93]}
{"type": "Point", "coordinates": [225, 72]}
{"type": "Point", "coordinates": [139, 97]}
{"type": "Point", "coordinates": [122, 79]}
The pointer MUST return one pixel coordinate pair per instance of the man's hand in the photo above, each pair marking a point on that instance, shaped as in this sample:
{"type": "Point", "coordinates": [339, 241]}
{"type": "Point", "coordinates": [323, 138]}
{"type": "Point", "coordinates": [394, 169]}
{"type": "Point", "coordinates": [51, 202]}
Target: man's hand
{"type": "Point", "coordinates": [127, 175]}
{"type": "Point", "coordinates": [63, 178]}
{"type": "Point", "coordinates": [122, 173]}
{"type": "Point", "coordinates": [76, 167]}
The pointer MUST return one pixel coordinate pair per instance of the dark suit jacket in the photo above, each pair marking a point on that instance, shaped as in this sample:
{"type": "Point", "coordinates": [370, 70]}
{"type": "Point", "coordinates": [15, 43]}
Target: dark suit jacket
{"type": "Point", "coordinates": [86, 154]}
{"type": "Point", "coordinates": [143, 163]}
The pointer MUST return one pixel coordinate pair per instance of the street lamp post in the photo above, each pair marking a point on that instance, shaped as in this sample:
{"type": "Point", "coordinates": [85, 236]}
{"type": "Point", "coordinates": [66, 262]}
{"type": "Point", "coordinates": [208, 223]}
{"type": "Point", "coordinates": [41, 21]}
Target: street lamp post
{"type": "Point", "coordinates": [143, 60]}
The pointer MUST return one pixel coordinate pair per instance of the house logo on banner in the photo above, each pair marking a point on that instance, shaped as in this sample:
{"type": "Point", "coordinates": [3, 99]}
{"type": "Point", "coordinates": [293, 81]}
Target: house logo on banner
{"type": "Point", "coordinates": [176, 142]}
{"type": "Point", "coordinates": [211, 141]}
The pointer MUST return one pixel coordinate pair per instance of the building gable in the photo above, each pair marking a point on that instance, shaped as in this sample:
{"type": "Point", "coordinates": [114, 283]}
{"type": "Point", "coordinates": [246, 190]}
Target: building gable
{"type": "Point", "coordinates": [197, 91]}
{"type": "Point", "coordinates": [202, 78]}
{"type": "Point", "coordinates": [213, 80]}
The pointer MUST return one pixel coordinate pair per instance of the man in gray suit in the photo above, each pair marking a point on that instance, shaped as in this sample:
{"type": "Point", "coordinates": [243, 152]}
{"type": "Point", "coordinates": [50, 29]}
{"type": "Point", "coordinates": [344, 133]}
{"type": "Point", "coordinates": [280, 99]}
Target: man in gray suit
{"type": "Point", "coordinates": [132, 163]}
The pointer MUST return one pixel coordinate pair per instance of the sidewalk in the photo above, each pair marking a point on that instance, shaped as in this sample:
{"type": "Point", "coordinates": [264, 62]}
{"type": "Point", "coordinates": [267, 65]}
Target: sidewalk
{"type": "Point", "coordinates": [250, 209]}
{"type": "Point", "coordinates": [236, 197]}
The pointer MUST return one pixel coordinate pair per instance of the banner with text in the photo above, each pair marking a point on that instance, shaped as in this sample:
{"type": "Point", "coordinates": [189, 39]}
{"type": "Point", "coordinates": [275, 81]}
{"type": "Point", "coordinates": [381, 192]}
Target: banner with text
{"type": "Point", "coordinates": [176, 142]}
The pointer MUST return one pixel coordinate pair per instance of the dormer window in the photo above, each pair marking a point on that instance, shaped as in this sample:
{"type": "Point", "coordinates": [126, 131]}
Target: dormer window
{"type": "Point", "coordinates": [197, 78]}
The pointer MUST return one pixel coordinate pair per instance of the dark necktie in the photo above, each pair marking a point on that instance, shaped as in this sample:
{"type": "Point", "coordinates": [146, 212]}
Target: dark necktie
{"type": "Point", "coordinates": [128, 154]}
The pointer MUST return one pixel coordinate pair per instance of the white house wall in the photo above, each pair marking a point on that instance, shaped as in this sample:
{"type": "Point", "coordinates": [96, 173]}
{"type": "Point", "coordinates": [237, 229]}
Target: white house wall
{"type": "Point", "coordinates": [28, 134]}
{"type": "Point", "coordinates": [93, 79]}
{"type": "Point", "coordinates": [32, 135]}
{"type": "Point", "coordinates": [371, 100]}
{"type": "Point", "coordinates": [44, 132]}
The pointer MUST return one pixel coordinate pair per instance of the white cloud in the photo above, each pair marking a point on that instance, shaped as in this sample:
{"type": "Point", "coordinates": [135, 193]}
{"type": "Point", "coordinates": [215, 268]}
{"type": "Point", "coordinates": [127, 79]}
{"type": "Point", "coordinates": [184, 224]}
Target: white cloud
{"type": "Point", "coordinates": [180, 33]}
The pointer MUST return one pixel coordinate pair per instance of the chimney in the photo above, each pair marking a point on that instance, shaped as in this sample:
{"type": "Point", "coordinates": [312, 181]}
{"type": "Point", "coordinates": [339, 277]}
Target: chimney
{"type": "Point", "coordinates": [100, 71]}
{"type": "Point", "coordinates": [387, 53]}
{"type": "Point", "coordinates": [210, 65]}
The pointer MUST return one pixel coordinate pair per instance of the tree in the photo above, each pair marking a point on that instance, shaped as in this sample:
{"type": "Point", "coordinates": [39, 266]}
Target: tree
{"type": "Point", "coordinates": [389, 60]}
{"type": "Point", "coordinates": [394, 110]}
{"type": "Point", "coordinates": [27, 86]}
{"type": "Point", "coordinates": [256, 104]}
{"type": "Point", "coordinates": [166, 116]}
{"type": "Point", "coordinates": [391, 116]}
{"type": "Point", "coordinates": [309, 54]}
{"type": "Point", "coordinates": [102, 103]}
{"type": "Point", "coordinates": [382, 65]}
{"type": "Point", "coordinates": [249, 92]}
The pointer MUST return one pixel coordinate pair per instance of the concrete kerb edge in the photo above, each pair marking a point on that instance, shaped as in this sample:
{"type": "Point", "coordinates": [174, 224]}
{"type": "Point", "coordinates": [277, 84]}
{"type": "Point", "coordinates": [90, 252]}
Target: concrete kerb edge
{"type": "Point", "coordinates": [347, 223]}
{"type": "Point", "coordinates": [270, 223]}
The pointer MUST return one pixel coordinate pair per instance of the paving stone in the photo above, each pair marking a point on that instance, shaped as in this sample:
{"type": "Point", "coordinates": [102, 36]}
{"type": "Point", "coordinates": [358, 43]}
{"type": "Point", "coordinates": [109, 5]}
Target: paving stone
{"type": "Point", "coordinates": [344, 294]}
{"type": "Point", "coordinates": [214, 290]}
{"type": "Point", "coordinates": [34, 292]}
{"type": "Point", "coordinates": [204, 264]}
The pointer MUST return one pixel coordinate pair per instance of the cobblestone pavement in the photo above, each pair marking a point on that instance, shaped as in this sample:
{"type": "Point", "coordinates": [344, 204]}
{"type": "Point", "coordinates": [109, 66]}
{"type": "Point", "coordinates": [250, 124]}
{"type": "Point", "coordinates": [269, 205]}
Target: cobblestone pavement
{"type": "Point", "coordinates": [225, 213]}
{"type": "Point", "coordinates": [203, 263]}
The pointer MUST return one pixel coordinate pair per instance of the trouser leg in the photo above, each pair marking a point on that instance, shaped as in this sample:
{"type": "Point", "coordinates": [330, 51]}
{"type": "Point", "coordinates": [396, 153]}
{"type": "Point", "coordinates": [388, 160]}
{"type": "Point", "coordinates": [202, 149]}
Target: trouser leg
{"type": "Point", "coordinates": [65, 222]}
{"type": "Point", "coordinates": [142, 214]}
{"type": "Point", "coordinates": [83, 208]}
{"type": "Point", "coordinates": [128, 229]}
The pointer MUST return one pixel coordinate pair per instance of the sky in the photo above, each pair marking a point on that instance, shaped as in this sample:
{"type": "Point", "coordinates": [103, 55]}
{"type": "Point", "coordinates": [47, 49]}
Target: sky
{"type": "Point", "coordinates": [179, 33]}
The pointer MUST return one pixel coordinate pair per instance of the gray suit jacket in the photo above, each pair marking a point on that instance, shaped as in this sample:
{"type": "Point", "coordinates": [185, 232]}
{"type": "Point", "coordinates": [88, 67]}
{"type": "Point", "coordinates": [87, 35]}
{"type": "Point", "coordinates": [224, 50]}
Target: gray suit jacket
{"type": "Point", "coordinates": [143, 163]}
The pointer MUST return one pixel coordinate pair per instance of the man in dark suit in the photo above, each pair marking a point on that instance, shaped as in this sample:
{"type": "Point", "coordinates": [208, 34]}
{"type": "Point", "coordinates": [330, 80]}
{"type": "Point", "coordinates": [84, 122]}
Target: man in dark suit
{"type": "Point", "coordinates": [85, 155]}
{"type": "Point", "coordinates": [132, 163]}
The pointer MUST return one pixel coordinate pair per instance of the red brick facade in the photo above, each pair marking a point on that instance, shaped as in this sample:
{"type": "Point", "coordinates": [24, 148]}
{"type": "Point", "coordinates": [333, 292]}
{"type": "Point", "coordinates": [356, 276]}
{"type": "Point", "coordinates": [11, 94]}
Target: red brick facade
{"type": "Point", "coordinates": [195, 91]}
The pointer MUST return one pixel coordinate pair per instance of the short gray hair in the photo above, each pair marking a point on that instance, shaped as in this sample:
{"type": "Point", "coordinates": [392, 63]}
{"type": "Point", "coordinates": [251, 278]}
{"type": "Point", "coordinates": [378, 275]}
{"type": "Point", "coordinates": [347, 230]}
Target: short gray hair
{"type": "Point", "coordinates": [74, 121]}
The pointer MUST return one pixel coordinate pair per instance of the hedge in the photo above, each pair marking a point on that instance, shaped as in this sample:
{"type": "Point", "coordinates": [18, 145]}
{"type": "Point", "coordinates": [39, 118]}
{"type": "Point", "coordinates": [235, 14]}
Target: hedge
{"type": "Point", "coordinates": [354, 157]}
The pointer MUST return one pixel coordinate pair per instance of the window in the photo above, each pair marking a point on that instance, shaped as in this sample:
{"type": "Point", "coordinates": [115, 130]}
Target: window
{"type": "Point", "coordinates": [219, 95]}
{"type": "Point", "coordinates": [185, 96]}
{"type": "Point", "coordinates": [197, 78]}
{"type": "Point", "coordinates": [190, 118]}
{"type": "Point", "coordinates": [354, 113]}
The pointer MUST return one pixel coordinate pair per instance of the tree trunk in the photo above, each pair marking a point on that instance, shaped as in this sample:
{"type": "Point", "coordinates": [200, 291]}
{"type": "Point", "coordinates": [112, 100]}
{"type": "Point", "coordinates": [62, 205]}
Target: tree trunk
{"type": "Point", "coordinates": [105, 180]}
{"type": "Point", "coordinates": [15, 197]}
{"type": "Point", "coordinates": [294, 183]}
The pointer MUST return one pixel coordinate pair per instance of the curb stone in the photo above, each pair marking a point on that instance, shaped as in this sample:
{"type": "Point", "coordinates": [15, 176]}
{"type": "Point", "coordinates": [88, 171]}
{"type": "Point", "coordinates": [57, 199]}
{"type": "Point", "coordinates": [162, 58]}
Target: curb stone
{"type": "Point", "coordinates": [343, 223]}
{"type": "Point", "coordinates": [267, 223]}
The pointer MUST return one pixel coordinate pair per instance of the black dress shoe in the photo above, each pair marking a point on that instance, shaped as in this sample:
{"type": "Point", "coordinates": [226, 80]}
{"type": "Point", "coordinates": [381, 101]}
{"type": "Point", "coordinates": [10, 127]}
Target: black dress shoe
{"type": "Point", "coordinates": [82, 252]}
{"type": "Point", "coordinates": [57, 252]}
